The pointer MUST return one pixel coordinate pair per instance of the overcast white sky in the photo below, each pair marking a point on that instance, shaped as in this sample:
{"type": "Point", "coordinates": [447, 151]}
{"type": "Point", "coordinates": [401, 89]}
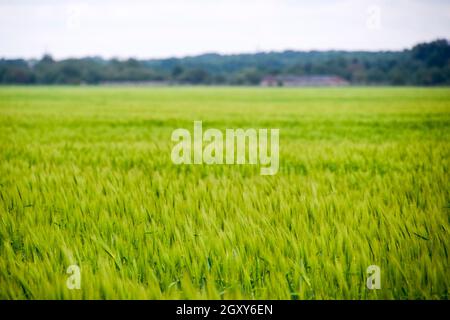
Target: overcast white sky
{"type": "Point", "coordinates": [163, 28]}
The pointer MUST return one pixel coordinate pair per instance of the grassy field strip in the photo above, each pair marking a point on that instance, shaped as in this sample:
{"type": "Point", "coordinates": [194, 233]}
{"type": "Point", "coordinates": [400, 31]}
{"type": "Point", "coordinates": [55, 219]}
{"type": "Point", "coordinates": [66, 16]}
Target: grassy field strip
{"type": "Point", "coordinates": [86, 178]}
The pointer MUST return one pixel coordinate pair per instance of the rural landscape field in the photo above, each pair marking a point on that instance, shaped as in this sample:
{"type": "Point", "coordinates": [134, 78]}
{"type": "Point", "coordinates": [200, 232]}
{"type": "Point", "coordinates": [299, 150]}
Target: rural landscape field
{"type": "Point", "coordinates": [86, 178]}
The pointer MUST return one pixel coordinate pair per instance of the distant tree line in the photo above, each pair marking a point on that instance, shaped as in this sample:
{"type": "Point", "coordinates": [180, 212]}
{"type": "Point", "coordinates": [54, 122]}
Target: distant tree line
{"type": "Point", "coordinates": [425, 64]}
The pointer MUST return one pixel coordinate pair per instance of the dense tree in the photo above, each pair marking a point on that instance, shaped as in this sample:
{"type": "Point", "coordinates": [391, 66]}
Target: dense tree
{"type": "Point", "coordinates": [424, 64]}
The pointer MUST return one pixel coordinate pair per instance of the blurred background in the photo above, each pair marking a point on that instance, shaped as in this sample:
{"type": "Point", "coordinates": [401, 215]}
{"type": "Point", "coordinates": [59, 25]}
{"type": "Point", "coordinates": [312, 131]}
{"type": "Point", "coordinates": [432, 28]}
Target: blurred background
{"type": "Point", "coordinates": [259, 43]}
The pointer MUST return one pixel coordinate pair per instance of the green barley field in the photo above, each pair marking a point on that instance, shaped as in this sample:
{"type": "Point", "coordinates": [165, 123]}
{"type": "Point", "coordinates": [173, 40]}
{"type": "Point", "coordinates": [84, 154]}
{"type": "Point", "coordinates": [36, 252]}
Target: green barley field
{"type": "Point", "coordinates": [86, 178]}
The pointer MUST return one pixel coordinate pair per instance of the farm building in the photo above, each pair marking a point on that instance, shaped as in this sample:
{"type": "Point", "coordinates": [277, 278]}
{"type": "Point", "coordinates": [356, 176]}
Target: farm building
{"type": "Point", "coordinates": [303, 81]}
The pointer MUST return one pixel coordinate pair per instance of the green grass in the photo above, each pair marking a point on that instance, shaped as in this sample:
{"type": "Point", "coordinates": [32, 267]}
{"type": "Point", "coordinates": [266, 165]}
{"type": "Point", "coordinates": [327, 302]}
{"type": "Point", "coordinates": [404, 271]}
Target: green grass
{"type": "Point", "coordinates": [86, 178]}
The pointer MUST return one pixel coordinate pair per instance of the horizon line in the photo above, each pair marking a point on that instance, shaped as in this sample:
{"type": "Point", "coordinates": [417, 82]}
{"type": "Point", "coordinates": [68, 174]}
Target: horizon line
{"type": "Point", "coordinates": [193, 55]}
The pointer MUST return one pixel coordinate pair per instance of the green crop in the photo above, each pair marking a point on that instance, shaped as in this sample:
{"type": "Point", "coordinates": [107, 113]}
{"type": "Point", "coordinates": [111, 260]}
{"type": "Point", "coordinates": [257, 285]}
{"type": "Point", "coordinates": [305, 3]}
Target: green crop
{"type": "Point", "coordinates": [86, 178]}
